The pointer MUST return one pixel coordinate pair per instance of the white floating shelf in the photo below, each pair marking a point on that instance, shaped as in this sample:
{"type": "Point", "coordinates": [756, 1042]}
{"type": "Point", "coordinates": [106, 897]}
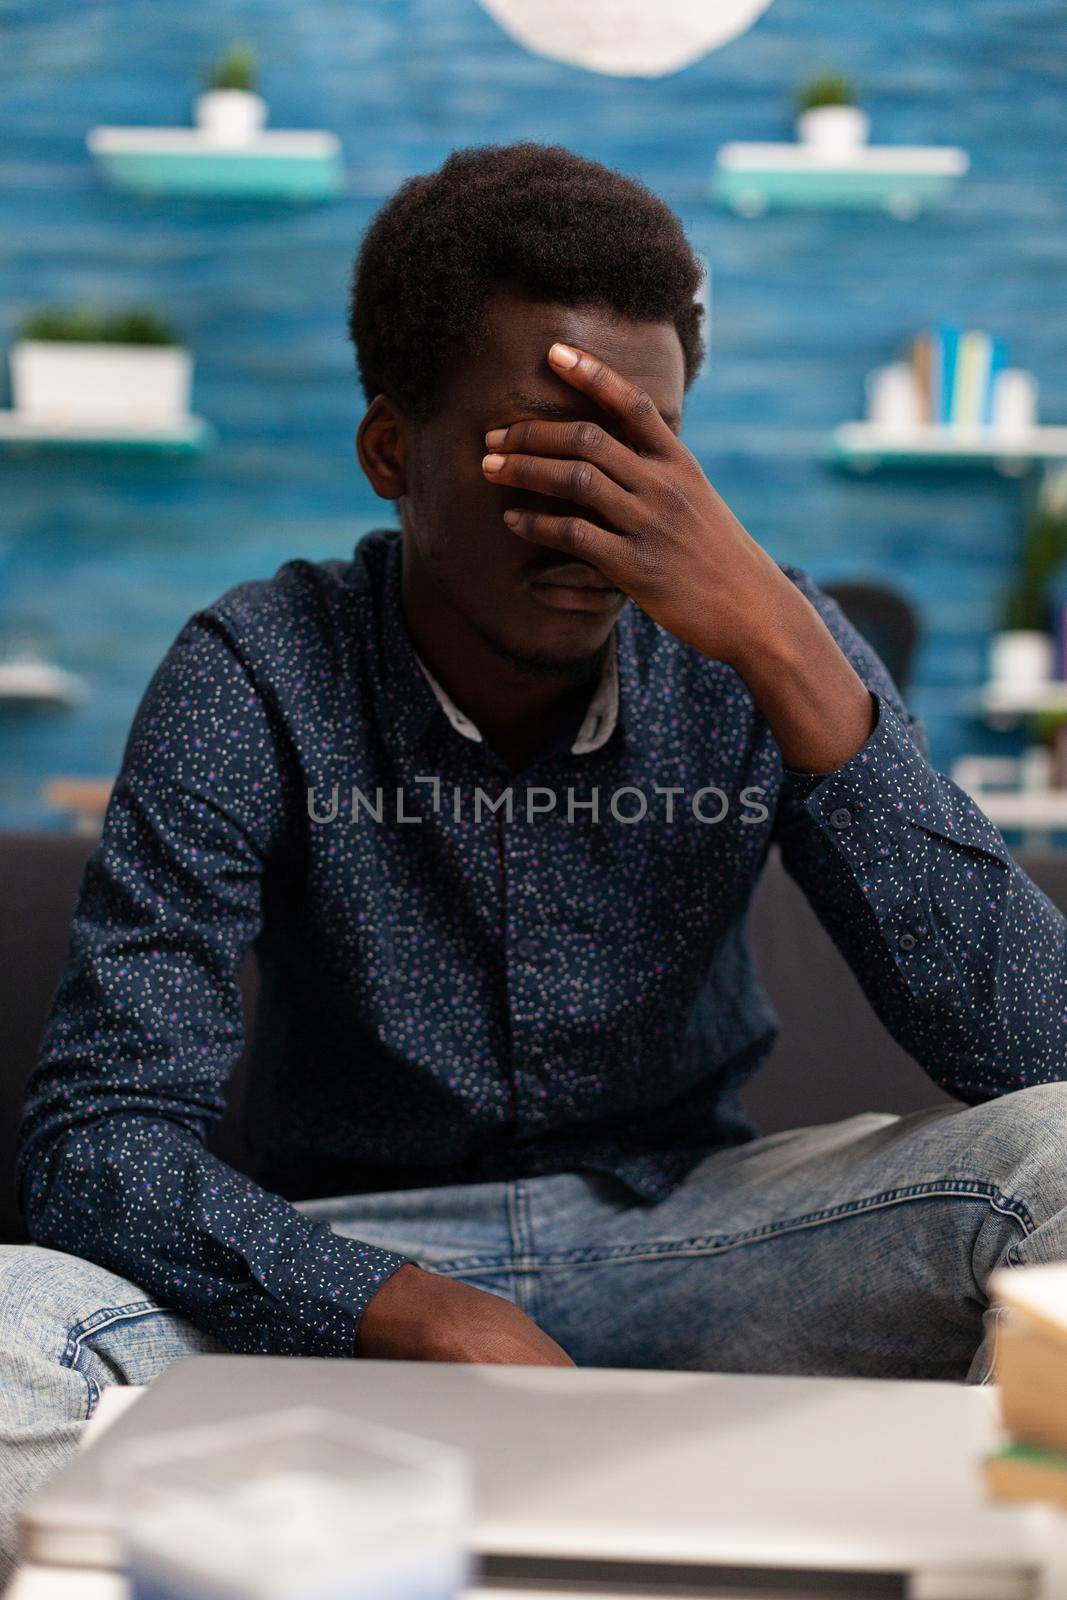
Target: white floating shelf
{"type": "Point", "coordinates": [28, 683]}
{"type": "Point", "coordinates": [863, 446]}
{"type": "Point", "coordinates": [184, 436]}
{"type": "Point", "coordinates": [1038, 809]}
{"type": "Point", "coordinates": [1014, 792]}
{"type": "Point", "coordinates": [899, 179]}
{"type": "Point", "coordinates": [276, 164]}
{"type": "Point", "coordinates": [1005, 700]}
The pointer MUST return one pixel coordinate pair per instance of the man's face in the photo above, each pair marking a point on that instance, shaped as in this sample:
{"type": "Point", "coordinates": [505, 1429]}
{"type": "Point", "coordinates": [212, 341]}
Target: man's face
{"type": "Point", "coordinates": [516, 594]}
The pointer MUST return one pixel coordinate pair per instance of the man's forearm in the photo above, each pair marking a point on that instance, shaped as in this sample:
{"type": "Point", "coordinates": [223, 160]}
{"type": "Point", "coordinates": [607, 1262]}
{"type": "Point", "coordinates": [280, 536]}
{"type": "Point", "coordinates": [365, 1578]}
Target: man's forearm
{"type": "Point", "coordinates": [142, 1197]}
{"type": "Point", "coordinates": [817, 706]}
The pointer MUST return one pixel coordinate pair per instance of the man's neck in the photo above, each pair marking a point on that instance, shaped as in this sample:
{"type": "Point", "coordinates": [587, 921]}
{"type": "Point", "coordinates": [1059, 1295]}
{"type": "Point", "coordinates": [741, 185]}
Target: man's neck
{"type": "Point", "coordinates": [518, 713]}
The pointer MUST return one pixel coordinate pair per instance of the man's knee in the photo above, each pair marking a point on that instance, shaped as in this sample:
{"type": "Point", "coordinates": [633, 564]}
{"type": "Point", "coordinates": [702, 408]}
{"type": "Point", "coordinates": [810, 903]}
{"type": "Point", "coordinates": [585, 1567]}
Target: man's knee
{"type": "Point", "coordinates": [46, 1388]}
{"type": "Point", "coordinates": [1022, 1145]}
{"type": "Point", "coordinates": [61, 1315]}
{"type": "Point", "coordinates": [1036, 1115]}
{"type": "Point", "coordinates": [47, 1297]}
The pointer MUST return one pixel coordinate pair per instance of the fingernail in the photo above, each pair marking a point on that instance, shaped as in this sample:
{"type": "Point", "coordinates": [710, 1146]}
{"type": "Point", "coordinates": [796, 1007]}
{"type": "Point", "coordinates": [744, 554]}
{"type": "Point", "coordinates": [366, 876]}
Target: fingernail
{"type": "Point", "coordinates": [493, 463]}
{"type": "Point", "coordinates": [563, 355]}
{"type": "Point", "coordinates": [511, 517]}
{"type": "Point", "coordinates": [496, 436]}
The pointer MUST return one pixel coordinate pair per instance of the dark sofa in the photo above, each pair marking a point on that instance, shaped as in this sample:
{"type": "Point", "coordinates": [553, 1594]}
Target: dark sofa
{"type": "Point", "coordinates": [834, 1057]}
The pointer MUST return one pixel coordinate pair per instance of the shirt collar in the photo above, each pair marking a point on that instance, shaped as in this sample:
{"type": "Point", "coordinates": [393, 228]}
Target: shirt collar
{"type": "Point", "coordinates": [597, 727]}
{"type": "Point", "coordinates": [412, 696]}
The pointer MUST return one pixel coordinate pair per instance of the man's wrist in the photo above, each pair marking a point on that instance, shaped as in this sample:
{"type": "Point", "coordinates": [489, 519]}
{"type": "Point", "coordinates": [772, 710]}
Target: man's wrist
{"type": "Point", "coordinates": [779, 628]}
{"type": "Point", "coordinates": [390, 1301]}
{"type": "Point", "coordinates": [816, 704]}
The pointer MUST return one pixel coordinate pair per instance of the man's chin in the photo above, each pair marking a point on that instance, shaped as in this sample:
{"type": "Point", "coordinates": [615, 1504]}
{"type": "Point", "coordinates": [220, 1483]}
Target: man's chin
{"type": "Point", "coordinates": [561, 667]}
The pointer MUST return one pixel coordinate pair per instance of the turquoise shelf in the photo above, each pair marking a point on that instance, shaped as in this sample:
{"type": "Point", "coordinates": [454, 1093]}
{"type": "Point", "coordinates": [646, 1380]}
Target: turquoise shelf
{"type": "Point", "coordinates": [864, 447]}
{"type": "Point", "coordinates": [24, 435]}
{"type": "Point", "coordinates": [275, 165]}
{"type": "Point", "coordinates": [899, 179]}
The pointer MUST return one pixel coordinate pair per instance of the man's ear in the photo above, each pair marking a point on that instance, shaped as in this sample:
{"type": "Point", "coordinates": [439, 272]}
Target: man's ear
{"type": "Point", "coordinates": [382, 445]}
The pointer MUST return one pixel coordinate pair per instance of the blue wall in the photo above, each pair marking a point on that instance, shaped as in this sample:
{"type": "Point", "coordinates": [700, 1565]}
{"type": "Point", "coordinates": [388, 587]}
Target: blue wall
{"type": "Point", "coordinates": [104, 559]}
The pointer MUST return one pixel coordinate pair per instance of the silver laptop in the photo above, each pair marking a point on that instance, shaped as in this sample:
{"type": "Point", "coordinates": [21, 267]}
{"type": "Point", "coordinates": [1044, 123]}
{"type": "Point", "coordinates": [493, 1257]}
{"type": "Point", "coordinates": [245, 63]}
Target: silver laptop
{"type": "Point", "coordinates": [619, 1481]}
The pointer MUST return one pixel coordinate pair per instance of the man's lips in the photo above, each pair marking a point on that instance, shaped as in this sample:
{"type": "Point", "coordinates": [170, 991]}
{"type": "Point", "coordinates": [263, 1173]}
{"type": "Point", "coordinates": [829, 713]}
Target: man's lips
{"type": "Point", "coordinates": [574, 575]}
{"type": "Point", "coordinates": [574, 587]}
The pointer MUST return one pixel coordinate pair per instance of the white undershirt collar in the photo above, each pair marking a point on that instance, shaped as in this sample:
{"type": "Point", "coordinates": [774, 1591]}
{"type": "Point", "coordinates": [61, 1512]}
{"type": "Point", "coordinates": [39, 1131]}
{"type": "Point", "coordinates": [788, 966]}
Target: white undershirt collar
{"type": "Point", "coordinates": [597, 727]}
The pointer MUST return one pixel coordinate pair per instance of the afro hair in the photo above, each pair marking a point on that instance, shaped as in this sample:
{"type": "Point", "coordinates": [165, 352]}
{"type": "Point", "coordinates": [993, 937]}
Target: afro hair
{"type": "Point", "coordinates": [537, 219]}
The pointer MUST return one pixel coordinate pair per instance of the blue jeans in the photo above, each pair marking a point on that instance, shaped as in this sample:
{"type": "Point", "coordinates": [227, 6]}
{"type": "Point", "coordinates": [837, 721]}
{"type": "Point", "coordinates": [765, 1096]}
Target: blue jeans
{"type": "Point", "coordinates": [856, 1248]}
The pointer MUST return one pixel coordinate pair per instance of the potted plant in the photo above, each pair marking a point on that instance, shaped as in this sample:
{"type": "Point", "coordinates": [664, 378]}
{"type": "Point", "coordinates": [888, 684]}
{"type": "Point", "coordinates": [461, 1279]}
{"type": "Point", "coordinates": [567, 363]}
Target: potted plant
{"type": "Point", "coordinates": [229, 110]}
{"type": "Point", "coordinates": [79, 365]}
{"type": "Point", "coordinates": [827, 114]}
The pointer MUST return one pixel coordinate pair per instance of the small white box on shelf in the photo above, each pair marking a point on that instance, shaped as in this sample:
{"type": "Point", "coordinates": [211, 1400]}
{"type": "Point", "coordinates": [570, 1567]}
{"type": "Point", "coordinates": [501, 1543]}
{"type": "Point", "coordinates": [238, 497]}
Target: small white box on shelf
{"type": "Point", "coordinates": [893, 398]}
{"type": "Point", "coordinates": [57, 381]}
{"type": "Point", "coordinates": [1014, 402]}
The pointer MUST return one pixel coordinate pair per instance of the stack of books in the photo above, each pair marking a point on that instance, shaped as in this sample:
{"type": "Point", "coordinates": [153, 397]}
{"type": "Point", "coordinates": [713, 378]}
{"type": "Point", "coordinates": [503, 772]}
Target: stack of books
{"type": "Point", "coordinates": [955, 370]}
{"type": "Point", "coordinates": [1031, 1369]}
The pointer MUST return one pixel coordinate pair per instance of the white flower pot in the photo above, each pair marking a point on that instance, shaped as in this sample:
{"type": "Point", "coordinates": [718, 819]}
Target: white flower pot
{"type": "Point", "coordinates": [893, 399]}
{"type": "Point", "coordinates": [1021, 658]}
{"type": "Point", "coordinates": [230, 116]}
{"type": "Point", "coordinates": [833, 127]}
{"type": "Point", "coordinates": [1014, 407]}
{"type": "Point", "coordinates": [131, 383]}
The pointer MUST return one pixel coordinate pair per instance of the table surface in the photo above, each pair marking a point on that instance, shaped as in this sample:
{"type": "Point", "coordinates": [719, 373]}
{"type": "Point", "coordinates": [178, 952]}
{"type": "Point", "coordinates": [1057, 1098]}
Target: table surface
{"type": "Point", "coordinates": [33, 1582]}
{"type": "Point", "coordinates": [37, 1582]}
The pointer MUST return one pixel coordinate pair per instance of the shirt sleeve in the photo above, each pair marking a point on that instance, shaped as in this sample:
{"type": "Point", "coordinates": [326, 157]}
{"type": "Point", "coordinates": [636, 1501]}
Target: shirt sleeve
{"type": "Point", "coordinates": [962, 956]}
{"type": "Point", "coordinates": [147, 1024]}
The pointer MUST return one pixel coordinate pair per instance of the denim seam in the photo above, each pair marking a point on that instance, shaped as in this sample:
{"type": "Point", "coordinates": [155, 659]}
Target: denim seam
{"type": "Point", "coordinates": [107, 1317]}
{"type": "Point", "coordinates": [719, 1244]}
{"type": "Point", "coordinates": [94, 1394]}
{"type": "Point", "coordinates": [522, 1262]}
{"type": "Point", "coordinates": [460, 1266]}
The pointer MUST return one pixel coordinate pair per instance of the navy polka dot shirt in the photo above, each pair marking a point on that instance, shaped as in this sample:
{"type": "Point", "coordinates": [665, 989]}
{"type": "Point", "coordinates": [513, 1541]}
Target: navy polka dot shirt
{"type": "Point", "coordinates": [466, 972]}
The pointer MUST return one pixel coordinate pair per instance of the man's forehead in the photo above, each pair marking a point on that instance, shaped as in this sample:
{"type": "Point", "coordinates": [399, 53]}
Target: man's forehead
{"type": "Point", "coordinates": [507, 364]}
{"type": "Point", "coordinates": [521, 330]}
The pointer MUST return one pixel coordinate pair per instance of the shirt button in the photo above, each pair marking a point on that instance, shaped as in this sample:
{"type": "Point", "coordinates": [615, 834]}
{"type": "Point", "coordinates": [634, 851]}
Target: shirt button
{"type": "Point", "coordinates": [841, 818]}
{"type": "Point", "coordinates": [907, 941]}
{"type": "Point", "coordinates": [525, 949]}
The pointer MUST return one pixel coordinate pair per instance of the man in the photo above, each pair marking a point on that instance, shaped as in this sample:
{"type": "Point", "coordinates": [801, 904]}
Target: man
{"type": "Point", "coordinates": [490, 800]}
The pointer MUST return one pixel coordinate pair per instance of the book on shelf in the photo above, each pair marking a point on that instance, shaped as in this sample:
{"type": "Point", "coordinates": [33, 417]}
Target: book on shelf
{"type": "Point", "coordinates": [955, 371]}
{"type": "Point", "coordinates": [998, 360]}
{"type": "Point", "coordinates": [921, 354]}
{"type": "Point", "coordinates": [946, 342]}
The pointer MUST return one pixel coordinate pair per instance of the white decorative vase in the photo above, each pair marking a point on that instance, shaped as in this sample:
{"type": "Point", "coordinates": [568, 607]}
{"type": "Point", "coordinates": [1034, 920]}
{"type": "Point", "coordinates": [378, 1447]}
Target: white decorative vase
{"type": "Point", "coordinates": [230, 116]}
{"type": "Point", "coordinates": [1021, 658]}
{"type": "Point", "coordinates": [893, 399]}
{"type": "Point", "coordinates": [1014, 408]}
{"type": "Point", "coordinates": [139, 385]}
{"type": "Point", "coordinates": [833, 128]}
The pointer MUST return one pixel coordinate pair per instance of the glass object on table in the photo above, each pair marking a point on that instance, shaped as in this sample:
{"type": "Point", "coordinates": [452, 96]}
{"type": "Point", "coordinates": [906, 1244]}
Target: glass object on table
{"type": "Point", "coordinates": [297, 1504]}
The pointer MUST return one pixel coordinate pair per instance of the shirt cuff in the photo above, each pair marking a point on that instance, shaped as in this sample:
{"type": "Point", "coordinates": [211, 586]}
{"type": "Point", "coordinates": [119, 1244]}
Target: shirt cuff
{"type": "Point", "coordinates": [370, 1266]}
{"type": "Point", "coordinates": [874, 803]}
{"type": "Point", "coordinates": [800, 784]}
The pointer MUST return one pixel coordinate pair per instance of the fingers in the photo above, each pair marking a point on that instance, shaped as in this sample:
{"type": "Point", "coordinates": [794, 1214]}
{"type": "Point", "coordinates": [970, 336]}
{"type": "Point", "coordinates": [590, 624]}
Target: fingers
{"type": "Point", "coordinates": [575, 480]}
{"type": "Point", "coordinates": [633, 406]}
{"type": "Point", "coordinates": [574, 536]}
{"type": "Point", "coordinates": [569, 441]}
